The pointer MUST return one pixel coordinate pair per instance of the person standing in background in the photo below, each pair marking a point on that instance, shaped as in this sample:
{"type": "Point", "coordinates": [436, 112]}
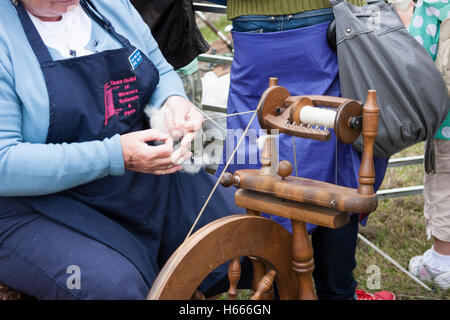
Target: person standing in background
{"type": "Point", "coordinates": [287, 39]}
{"type": "Point", "coordinates": [430, 26]}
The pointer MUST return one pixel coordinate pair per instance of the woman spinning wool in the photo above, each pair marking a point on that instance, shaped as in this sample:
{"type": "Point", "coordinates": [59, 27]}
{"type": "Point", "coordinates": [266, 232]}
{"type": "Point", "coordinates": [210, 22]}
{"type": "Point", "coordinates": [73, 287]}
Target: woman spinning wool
{"type": "Point", "coordinates": [85, 192]}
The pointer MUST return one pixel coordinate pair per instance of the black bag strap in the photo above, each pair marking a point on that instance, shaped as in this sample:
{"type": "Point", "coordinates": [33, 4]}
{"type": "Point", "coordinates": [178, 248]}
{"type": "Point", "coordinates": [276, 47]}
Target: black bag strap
{"type": "Point", "coordinates": [430, 157]}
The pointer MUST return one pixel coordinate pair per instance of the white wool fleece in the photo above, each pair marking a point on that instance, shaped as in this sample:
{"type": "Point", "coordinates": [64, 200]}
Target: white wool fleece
{"type": "Point", "coordinates": [158, 122]}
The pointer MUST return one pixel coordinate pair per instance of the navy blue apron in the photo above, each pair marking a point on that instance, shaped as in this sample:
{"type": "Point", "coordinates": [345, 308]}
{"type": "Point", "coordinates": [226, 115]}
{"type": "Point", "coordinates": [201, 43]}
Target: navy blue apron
{"type": "Point", "coordinates": [304, 64]}
{"type": "Point", "coordinates": [142, 216]}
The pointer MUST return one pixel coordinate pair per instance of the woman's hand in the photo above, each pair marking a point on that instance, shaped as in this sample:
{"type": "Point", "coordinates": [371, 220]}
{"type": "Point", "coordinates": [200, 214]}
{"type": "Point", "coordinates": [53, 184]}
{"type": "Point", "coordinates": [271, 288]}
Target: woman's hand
{"type": "Point", "coordinates": [183, 119]}
{"type": "Point", "coordinates": [141, 157]}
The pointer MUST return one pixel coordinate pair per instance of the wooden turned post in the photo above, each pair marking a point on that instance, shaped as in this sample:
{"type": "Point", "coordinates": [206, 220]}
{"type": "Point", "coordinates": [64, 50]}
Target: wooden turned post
{"type": "Point", "coordinates": [269, 157]}
{"type": "Point", "coordinates": [273, 81]}
{"type": "Point", "coordinates": [371, 114]}
{"type": "Point", "coordinates": [269, 154]}
{"type": "Point", "coordinates": [302, 261]}
{"type": "Point", "coordinates": [234, 275]}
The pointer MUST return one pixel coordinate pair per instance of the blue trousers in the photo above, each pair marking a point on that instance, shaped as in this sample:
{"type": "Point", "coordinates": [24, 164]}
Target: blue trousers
{"type": "Point", "coordinates": [334, 250]}
{"type": "Point", "coordinates": [258, 23]}
{"type": "Point", "coordinates": [47, 260]}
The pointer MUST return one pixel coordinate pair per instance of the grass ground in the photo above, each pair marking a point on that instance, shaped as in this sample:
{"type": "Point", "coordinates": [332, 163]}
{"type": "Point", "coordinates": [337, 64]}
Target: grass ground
{"type": "Point", "coordinates": [220, 24]}
{"type": "Point", "coordinates": [398, 228]}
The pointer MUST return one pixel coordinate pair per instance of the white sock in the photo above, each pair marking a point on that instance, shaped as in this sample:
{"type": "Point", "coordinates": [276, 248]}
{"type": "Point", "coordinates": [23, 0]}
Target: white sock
{"type": "Point", "coordinates": [440, 261]}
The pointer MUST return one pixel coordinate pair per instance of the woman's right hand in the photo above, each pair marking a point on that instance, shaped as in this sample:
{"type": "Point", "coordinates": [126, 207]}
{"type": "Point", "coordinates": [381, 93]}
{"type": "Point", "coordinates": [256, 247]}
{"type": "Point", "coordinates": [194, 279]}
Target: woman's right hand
{"type": "Point", "coordinates": [140, 157]}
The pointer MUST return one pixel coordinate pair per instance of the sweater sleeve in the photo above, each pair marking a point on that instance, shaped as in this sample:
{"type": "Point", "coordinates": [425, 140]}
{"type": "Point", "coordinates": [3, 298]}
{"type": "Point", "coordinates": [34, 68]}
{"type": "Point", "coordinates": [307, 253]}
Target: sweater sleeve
{"type": "Point", "coordinates": [29, 169]}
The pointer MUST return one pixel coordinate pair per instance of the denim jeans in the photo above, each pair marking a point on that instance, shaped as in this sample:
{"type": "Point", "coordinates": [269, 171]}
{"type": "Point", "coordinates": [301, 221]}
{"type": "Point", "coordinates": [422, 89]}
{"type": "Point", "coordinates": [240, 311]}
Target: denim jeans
{"type": "Point", "coordinates": [264, 24]}
{"type": "Point", "coordinates": [334, 259]}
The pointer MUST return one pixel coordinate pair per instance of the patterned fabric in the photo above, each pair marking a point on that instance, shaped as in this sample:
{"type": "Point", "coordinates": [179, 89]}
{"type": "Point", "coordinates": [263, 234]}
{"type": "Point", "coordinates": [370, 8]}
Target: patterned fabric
{"type": "Point", "coordinates": [427, 18]}
{"type": "Point", "coordinates": [192, 83]}
{"type": "Point", "coordinates": [425, 28]}
{"type": "Point", "coordinates": [193, 86]}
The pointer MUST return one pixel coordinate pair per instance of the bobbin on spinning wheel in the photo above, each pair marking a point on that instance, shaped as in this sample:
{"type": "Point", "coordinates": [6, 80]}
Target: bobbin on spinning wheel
{"type": "Point", "coordinates": [305, 116]}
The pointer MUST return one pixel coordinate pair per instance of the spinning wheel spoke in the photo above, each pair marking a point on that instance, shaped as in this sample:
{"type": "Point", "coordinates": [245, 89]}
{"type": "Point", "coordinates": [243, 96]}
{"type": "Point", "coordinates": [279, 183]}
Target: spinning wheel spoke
{"type": "Point", "coordinates": [259, 269]}
{"type": "Point", "coordinates": [265, 285]}
{"type": "Point", "coordinates": [198, 296]}
{"type": "Point", "coordinates": [8, 294]}
{"type": "Point", "coordinates": [234, 275]}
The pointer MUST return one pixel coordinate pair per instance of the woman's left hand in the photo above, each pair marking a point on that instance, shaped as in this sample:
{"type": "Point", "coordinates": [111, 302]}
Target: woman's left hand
{"type": "Point", "coordinates": [183, 119]}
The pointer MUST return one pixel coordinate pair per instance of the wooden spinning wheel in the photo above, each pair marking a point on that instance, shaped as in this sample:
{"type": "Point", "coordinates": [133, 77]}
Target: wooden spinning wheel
{"type": "Point", "coordinates": [211, 246]}
{"type": "Point", "coordinates": [278, 256]}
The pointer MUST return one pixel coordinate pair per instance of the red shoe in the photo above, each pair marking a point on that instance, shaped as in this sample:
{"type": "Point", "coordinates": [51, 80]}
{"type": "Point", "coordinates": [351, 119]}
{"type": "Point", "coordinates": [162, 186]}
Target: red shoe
{"type": "Point", "coordinates": [381, 295]}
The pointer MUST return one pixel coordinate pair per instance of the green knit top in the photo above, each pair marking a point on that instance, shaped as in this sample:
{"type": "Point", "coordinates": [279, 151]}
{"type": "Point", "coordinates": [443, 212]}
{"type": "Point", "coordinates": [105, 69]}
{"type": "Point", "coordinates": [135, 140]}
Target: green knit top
{"type": "Point", "coordinates": [236, 8]}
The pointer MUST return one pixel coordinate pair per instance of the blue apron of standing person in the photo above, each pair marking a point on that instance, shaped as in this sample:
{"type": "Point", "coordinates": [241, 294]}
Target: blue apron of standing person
{"type": "Point", "coordinates": [144, 217]}
{"type": "Point", "coordinates": [304, 64]}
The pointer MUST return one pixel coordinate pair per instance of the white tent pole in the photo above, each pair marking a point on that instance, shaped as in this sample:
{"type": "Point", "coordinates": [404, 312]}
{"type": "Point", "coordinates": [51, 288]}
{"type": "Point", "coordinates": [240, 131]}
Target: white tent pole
{"type": "Point", "coordinates": [395, 263]}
